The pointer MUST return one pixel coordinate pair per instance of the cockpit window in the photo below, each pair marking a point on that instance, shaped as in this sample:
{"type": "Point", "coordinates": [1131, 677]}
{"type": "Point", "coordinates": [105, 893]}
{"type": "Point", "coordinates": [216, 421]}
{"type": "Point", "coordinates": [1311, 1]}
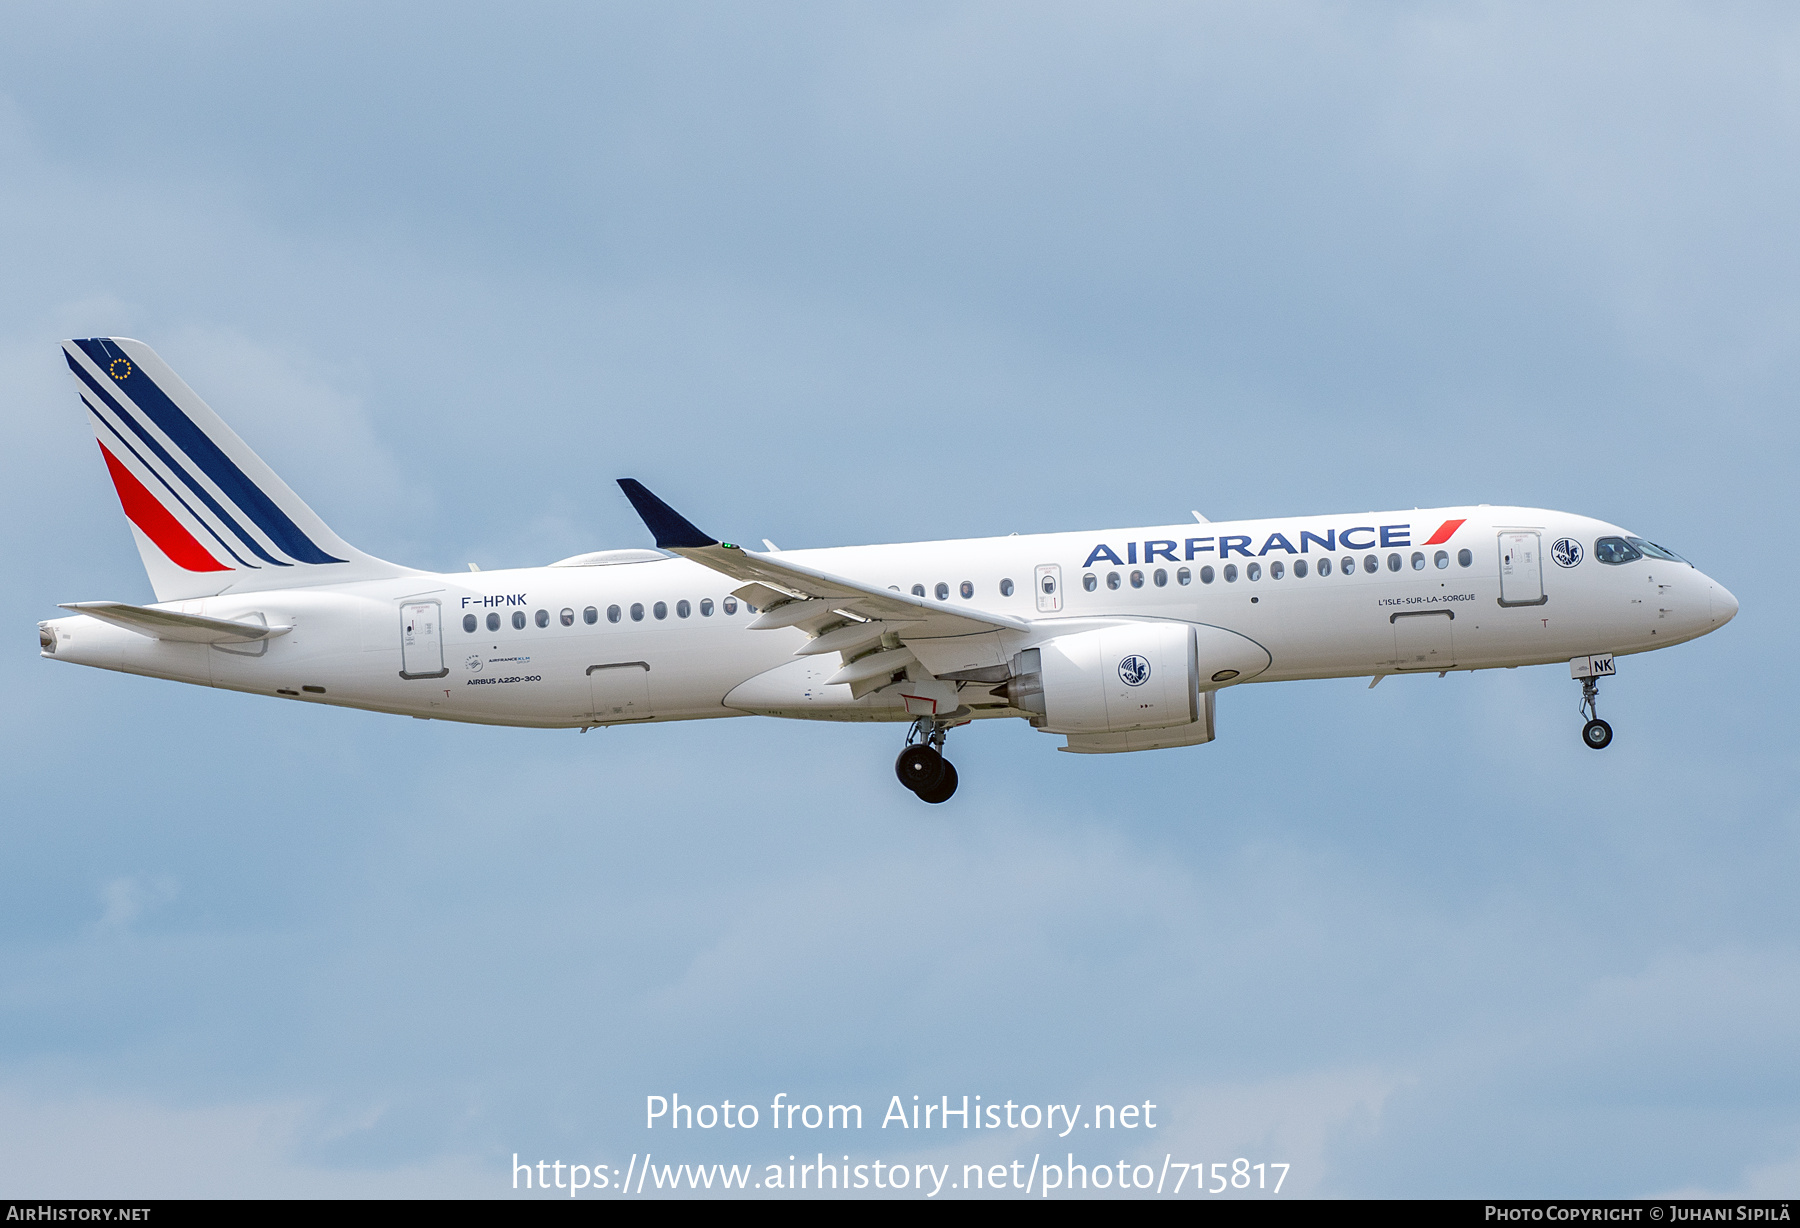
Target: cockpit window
{"type": "Point", "coordinates": [1655, 551]}
{"type": "Point", "coordinates": [1616, 550]}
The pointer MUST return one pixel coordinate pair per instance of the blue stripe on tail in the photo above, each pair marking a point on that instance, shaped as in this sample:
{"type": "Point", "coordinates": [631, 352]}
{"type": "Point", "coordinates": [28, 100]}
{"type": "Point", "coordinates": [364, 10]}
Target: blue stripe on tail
{"type": "Point", "coordinates": [176, 467]}
{"type": "Point", "coordinates": [174, 494]}
{"type": "Point", "coordinates": [200, 448]}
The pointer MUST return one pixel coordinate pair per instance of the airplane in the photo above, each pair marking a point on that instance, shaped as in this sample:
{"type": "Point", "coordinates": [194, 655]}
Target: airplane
{"type": "Point", "coordinates": [1117, 640]}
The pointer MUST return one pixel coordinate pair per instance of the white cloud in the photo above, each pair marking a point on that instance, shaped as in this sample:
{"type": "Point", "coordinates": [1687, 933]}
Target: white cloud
{"type": "Point", "coordinates": [100, 1146]}
{"type": "Point", "coordinates": [1780, 1179]}
{"type": "Point", "coordinates": [126, 900]}
{"type": "Point", "coordinates": [1303, 1119]}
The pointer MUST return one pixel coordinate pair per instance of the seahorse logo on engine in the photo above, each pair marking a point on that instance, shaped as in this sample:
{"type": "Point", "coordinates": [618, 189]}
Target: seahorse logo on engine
{"type": "Point", "coordinates": [1134, 671]}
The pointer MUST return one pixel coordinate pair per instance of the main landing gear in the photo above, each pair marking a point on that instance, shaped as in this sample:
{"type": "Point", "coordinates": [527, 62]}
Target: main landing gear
{"type": "Point", "coordinates": [1596, 733]}
{"type": "Point", "coordinates": [922, 767]}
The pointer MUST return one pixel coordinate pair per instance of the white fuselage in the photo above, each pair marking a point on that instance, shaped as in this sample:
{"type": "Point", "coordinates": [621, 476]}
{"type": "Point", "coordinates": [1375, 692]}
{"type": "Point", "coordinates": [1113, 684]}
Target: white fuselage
{"type": "Point", "coordinates": [1420, 609]}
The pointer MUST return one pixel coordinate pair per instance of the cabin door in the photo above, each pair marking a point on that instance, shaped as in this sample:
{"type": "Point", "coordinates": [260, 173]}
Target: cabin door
{"type": "Point", "coordinates": [421, 641]}
{"type": "Point", "coordinates": [1521, 570]}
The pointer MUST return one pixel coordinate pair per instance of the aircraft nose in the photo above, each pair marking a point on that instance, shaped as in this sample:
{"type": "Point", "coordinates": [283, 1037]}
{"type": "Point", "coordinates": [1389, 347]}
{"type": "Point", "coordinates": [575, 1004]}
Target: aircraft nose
{"type": "Point", "coordinates": [1724, 605]}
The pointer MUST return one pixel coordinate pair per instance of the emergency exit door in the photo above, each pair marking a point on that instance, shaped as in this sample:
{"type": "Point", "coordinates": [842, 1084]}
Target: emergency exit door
{"type": "Point", "coordinates": [1521, 570]}
{"type": "Point", "coordinates": [421, 641]}
{"type": "Point", "coordinates": [1048, 582]}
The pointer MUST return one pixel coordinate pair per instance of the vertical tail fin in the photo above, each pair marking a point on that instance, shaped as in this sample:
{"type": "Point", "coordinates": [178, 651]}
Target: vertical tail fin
{"type": "Point", "coordinates": [208, 515]}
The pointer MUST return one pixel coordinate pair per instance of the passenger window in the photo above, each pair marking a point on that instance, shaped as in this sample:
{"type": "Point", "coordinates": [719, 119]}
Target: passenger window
{"type": "Point", "coordinates": [1371, 564]}
{"type": "Point", "coordinates": [518, 620]}
{"type": "Point", "coordinates": [1441, 559]}
{"type": "Point", "coordinates": [918, 590]}
{"type": "Point", "coordinates": [1137, 579]}
{"type": "Point", "coordinates": [1089, 582]}
{"type": "Point", "coordinates": [1231, 573]}
{"type": "Point", "coordinates": [566, 618]}
{"type": "Point", "coordinates": [683, 609]}
{"type": "Point", "coordinates": [729, 605]}
{"type": "Point", "coordinates": [706, 607]}
{"type": "Point", "coordinates": [493, 622]}
{"type": "Point", "coordinates": [1253, 572]}
{"type": "Point", "coordinates": [612, 614]}
{"type": "Point", "coordinates": [1184, 576]}
{"type": "Point", "coordinates": [469, 623]}
{"type": "Point", "coordinates": [942, 590]}
{"type": "Point", "coordinates": [1206, 575]}
{"type": "Point", "coordinates": [1112, 579]}
{"type": "Point", "coordinates": [1006, 588]}
{"type": "Point", "coordinates": [1615, 550]}
{"type": "Point", "coordinates": [590, 616]}
{"type": "Point", "coordinates": [1276, 570]}
{"type": "Point", "coordinates": [1299, 569]}
{"type": "Point", "coordinates": [1393, 562]}
{"type": "Point", "coordinates": [967, 589]}
{"type": "Point", "coordinates": [541, 618]}
{"type": "Point", "coordinates": [1464, 558]}
{"type": "Point", "coordinates": [1160, 578]}
{"type": "Point", "coordinates": [660, 609]}
{"type": "Point", "coordinates": [1418, 561]}
{"type": "Point", "coordinates": [1324, 567]}
{"type": "Point", "coordinates": [637, 611]}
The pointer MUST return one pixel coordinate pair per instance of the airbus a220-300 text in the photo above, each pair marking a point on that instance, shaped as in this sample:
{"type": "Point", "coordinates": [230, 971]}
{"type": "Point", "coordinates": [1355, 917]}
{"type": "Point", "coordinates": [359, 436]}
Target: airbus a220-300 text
{"type": "Point", "coordinates": [1116, 640]}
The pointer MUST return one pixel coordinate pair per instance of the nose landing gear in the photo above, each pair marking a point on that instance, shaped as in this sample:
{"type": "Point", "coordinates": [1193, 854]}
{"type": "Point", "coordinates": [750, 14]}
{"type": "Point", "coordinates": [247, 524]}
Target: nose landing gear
{"type": "Point", "coordinates": [922, 767]}
{"type": "Point", "coordinates": [1596, 733]}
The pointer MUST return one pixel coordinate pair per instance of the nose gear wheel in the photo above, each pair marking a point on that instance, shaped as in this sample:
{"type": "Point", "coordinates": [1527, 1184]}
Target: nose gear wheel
{"type": "Point", "coordinates": [1596, 734]}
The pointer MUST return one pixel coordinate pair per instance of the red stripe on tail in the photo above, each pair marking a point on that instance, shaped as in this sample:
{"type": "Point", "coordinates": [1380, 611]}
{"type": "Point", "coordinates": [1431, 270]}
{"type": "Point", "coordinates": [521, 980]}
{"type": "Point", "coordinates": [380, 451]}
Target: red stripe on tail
{"type": "Point", "coordinates": [1445, 532]}
{"type": "Point", "coordinates": [157, 524]}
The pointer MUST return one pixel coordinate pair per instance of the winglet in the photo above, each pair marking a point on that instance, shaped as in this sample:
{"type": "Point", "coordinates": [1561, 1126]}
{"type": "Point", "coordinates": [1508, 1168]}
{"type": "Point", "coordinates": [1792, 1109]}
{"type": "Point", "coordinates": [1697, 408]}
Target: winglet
{"type": "Point", "coordinates": [671, 529]}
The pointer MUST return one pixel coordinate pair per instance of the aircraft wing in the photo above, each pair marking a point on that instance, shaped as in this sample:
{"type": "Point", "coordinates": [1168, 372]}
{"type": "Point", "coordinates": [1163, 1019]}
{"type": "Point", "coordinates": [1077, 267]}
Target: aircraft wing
{"type": "Point", "coordinates": [822, 591]}
{"type": "Point", "coordinates": [843, 615]}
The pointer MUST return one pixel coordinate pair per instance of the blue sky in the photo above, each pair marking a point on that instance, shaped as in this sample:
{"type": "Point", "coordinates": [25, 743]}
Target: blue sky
{"type": "Point", "coordinates": [848, 273]}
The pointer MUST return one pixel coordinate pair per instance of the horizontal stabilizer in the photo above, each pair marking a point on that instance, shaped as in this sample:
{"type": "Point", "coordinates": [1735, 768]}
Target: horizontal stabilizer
{"type": "Point", "coordinates": [169, 625]}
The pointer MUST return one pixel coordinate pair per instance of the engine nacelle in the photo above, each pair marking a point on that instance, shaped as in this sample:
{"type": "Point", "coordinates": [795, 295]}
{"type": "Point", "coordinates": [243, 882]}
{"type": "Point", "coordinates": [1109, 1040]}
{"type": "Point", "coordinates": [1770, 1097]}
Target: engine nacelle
{"type": "Point", "coordinates": [1136, 675]}
{"type": "Point", "coordinates": [1129, 676]}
